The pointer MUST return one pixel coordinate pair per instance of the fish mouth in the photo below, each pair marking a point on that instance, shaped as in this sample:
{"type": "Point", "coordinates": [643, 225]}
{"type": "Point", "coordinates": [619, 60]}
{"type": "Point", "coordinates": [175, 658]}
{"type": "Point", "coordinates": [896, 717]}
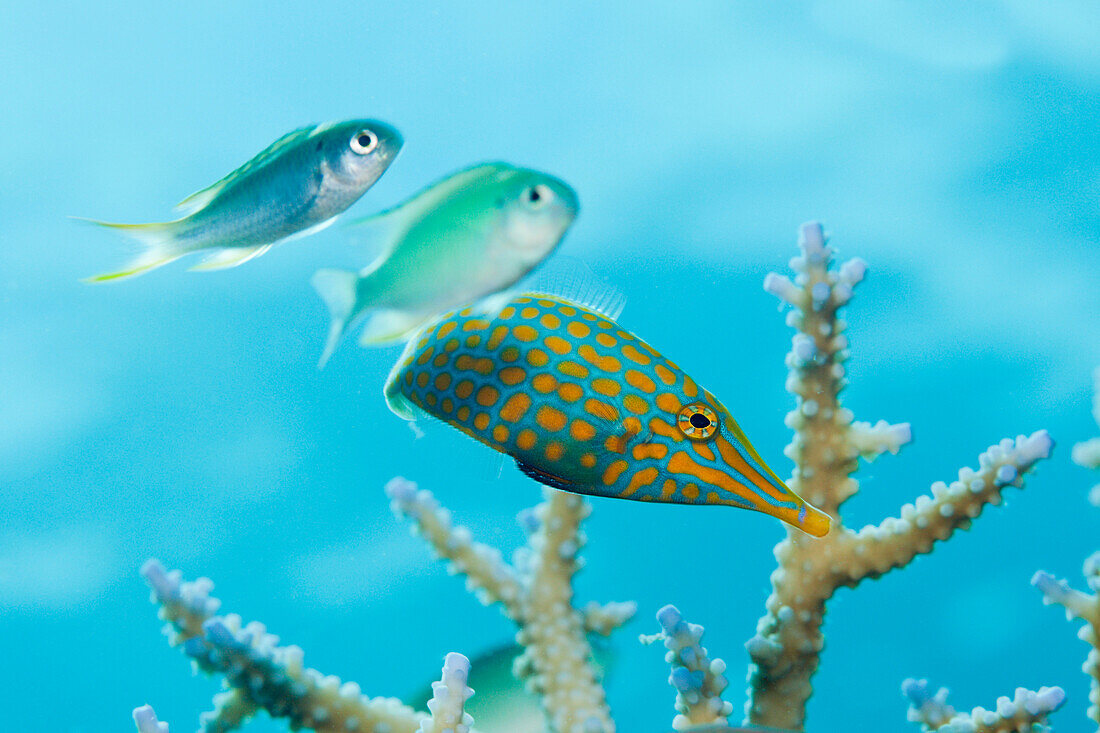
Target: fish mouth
{"type": "Point", "coordinates": [805, 517]}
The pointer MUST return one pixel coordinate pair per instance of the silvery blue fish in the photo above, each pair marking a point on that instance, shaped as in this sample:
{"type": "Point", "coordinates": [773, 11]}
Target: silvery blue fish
{"type": "Point", "coordinates": [297, 186]}
{"type": "Point", "coordinates": [469, 236]}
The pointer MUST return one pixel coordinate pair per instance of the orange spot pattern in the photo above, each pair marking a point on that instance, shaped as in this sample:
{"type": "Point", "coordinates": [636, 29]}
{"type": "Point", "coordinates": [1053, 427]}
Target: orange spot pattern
{"type": "Point", "coordinates": [640, 381]}
{"type": "Point", "coordinates": [550, 418]}
{"type": "Point", "coordinates": [525, 333]}
{"type": "Point", "coordinates": [605, 386]}
{"type": "Point", "coordinates": [573, 369]}
{"type": "Point", "coordinates": [557, 344]}
{"type": "Point", "coordinates": [487, 396]}
{"type": "Point", "coordinates": [527, 383]}
{"type": "Point", "coordinates": [515, 407]}
{"type": "Point", "coordinates": [570, 392]}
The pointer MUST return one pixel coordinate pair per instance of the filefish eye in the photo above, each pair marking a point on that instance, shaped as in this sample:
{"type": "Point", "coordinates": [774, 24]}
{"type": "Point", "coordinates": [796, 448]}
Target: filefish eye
{"type": "Point", "coordinates": [364, 142]}
{"type": "Point", "coordinates": [536, 196]}
{"type": "Point", "coordinates": [697, 421]}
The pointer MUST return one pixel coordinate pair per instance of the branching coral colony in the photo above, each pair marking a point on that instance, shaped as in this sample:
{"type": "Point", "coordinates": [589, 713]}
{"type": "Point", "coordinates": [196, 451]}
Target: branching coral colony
{"type": "Point", "coordinates": [1028, 710]}
{"type": "Point", "coordinates": [535, 589]}
{"type": "Point", "coordinates": [1085, 606]}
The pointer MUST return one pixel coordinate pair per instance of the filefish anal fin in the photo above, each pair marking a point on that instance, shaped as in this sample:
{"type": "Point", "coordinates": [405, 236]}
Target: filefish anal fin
{"type": "Point", "coordinates": [543, 477]}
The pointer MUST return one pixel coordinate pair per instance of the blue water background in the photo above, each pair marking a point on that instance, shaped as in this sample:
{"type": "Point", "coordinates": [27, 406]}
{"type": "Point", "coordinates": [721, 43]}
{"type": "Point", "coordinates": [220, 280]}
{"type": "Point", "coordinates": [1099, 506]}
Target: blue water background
{"type": "Point", "coordinates": [178, 415]}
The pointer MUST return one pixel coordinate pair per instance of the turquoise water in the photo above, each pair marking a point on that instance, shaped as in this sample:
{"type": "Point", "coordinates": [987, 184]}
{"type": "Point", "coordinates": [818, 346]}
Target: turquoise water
{"type": "Point", "coordinates": [181, 416]}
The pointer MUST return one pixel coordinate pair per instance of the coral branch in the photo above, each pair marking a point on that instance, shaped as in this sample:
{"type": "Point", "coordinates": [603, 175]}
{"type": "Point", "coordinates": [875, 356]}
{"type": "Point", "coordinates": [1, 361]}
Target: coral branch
{"type": "Point", "coordinates": [449, 695]}
{"type": "Point", "coordinates": [605, 618]}
{"type": "Point", "coordinates": [184, 607]}
{"type": "Point", "coordinates": [537, 593]}
{"type": "Point", "coordinates": [259, 674]}
{"type": "Point", "coordinates": [826, 446]}
{"type": "Point", "coordinates": [896, 541]}
{"type": "Point", "coordinates": [1084, 606]}
{"type": "Point", "coordinates": [1087, 454]}
{"type": "Point", "coordinates": [487, 575]}
{"type": "Point", "coordinates": [698, 680]}
{"type": "Point", "coordinates": [871, 441]}
{"type": "Point", "coordinates": [146, 720]}
{"type": "Point", "coordinates": [557, 651]}
{"type": "Point", "coordinates": [1025, 713]}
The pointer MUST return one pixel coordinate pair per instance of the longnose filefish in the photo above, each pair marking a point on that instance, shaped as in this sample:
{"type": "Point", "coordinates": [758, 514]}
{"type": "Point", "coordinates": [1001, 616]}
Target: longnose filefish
{"type": "Point", "coordinates": [584, 405]}
{"type": "Point", "coordinates": [462, 239]}
{"type": "Point", "coordinates": [297, 185]}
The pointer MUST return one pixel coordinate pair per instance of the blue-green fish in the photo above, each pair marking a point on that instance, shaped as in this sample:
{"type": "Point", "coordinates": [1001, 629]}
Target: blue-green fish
{"type": "Point", "coordinates": [586, 406]}
{"type": "Point", "coordinates": [298, 185]}
{"type": "Point", "coordinates": [467, 237]}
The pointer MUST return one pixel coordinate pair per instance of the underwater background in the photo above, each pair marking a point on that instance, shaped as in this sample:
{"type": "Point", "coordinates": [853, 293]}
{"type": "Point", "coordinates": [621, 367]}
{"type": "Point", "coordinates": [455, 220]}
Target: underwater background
{"type": "Point", "coordinates": [181, 415]}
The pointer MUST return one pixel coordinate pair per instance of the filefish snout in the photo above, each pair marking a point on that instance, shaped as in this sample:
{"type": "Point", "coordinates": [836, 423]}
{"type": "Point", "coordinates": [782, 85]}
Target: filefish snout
{"type": "Point", "coordinates": [726, 467]}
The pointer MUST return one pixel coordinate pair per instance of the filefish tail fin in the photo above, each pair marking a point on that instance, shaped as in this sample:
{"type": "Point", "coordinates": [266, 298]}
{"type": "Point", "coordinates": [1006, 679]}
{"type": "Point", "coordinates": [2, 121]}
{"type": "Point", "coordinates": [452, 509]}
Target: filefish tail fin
{"type": "Point", "coordinates": [159, 242]}
{"type": "Point", "coordinates": [338, 289]}
{"type": "Point", "coordinates": [390, 326]}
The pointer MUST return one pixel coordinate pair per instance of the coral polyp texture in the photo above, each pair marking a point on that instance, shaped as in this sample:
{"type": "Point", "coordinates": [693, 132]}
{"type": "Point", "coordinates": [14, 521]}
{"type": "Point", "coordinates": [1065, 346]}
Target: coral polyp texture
{"type": "Point", "coordinates": [261, 675]}
{"type": "Point", "coordinates": [826, 449]}
{"type": "Point", "coordinates": [697, 679]}
{"type": "Point", "coordinates": [1080, 605]}
{"type": "Point", "coordinates": [1025, 712]}
{"type": "Point", "coordinates": [535, 591]}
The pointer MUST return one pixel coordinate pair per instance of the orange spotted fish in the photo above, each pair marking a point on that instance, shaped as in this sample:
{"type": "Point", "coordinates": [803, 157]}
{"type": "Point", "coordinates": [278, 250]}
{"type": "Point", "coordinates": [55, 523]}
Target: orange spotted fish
{"type": "Point", "coordinates": [583, 405]}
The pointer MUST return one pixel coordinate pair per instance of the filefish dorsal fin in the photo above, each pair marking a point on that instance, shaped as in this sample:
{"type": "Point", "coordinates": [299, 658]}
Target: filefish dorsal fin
{"type": "Point", "coordinates": [549, 479]}
{"type": "Point", "coordinates": [571, 279]}
{"type": "Point", "coordinates": [201, 199]}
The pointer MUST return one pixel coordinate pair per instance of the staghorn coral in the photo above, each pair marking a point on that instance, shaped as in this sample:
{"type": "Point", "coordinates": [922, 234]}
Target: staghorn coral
{"type": "Point", "coordinates": [1084, 606]}
{"type": "Point", "coordinates": [827, 444]}
{"type": "Point", "coordinates": [535, 589]}
{"type": "Point", "coordinates": [146, 720]}
{"type": "Point", "coordinates": [536, 592]}
{"type": "Point", "coordinates": [1026, 712]}
{"type": "Point", "coordinates": [1087, 453]}
{"type": "Point", "coordinates": [448, 697]}
{"type": "Point", "coordinates": [697, 679]}
{"type": "Point", "coordinates": [261, 675]}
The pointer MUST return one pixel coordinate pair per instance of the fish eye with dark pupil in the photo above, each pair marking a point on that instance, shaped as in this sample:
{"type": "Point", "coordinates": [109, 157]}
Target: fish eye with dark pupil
{"type": "Point", "coordinates": [364, 142]}
{"type": "Point", "coordinates": [700, 421]}
{"type": "Point", "coordinates": [533, 195]}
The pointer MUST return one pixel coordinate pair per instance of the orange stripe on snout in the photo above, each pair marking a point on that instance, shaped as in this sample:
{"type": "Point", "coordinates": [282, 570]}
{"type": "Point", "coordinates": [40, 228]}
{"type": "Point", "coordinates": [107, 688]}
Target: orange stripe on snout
{"type": "Point", "coordinates": [734, 460]}
{"type": "Point", "coordinates": [681, 462]}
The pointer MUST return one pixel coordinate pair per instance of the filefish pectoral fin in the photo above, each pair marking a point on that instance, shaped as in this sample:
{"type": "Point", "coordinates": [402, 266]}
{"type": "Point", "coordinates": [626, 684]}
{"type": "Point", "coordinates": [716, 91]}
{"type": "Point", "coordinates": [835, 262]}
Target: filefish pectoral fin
{"type": "Point", "coordinates": [548, 479]}
{"type": "Point", "coordinates": [230, 257]}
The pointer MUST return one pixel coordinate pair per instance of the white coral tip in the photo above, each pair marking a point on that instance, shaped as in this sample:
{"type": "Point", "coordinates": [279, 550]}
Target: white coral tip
{"type": "Point", "coordinates": [401, 490]}
{"type": "Point", "coordinates": [146, 720]}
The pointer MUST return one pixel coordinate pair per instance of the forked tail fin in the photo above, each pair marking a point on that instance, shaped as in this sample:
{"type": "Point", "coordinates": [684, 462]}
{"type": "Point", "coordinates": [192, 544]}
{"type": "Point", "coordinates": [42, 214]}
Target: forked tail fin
{"type": "Point", "coordinates": [160, 248]}
{"type": "Point", "coordinates": [338, 289]}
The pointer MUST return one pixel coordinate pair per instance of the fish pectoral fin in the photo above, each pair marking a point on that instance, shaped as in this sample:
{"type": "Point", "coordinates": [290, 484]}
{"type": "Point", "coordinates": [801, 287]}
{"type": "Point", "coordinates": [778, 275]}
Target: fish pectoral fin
{"type": "Point", "coordinates": [549, 479]}
{"type": "Point", "coordinates": [310, 231]}
{"type": "Point", "coordinates": [387, 326]}
{"type": "Point", "coordinates": [230, 257]}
